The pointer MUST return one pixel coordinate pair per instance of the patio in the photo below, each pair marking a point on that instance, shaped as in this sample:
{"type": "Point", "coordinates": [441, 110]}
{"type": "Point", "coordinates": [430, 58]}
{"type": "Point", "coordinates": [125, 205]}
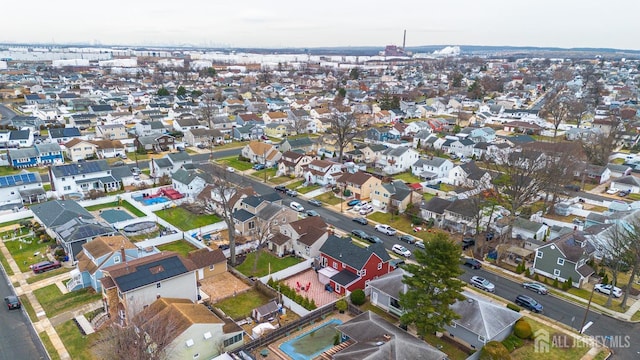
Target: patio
{"type": "Point", "coordinates": [316, 291]}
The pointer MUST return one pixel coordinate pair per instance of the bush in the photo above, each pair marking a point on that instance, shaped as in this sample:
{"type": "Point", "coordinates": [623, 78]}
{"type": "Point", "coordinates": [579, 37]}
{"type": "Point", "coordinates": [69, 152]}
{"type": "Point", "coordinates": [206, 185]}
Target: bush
{"type": "Point", "coordinates": [513, 307]}
{"type": "Point", "coordinates": [494, 350]}
{"type": "Point", "coordinates": [358, 297]}
{"type": "Point", "coordinates": [567, 284]}
{"type": "Point", "coordinates": [522, 329]}
{"type": "Point", "coordinates": [341, 305]}
{"type": "Point", "coordinates": [512, 342]}
{"type": "Point", "coordinates": [536, 277]}
{"type": "Point", "coordinates": [555, 283]}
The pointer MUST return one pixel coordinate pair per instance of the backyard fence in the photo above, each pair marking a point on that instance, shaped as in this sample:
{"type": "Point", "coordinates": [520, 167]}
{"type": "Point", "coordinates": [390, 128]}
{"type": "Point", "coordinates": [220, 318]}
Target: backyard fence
{"type": "Point", "coordinates": [12, 216]}
{"type": "Point", "coordinates": [161, 240]}
{"type": "Point", "coordinates": [286, 329]}
{"type": "Point", "coordinates": [290, 271]}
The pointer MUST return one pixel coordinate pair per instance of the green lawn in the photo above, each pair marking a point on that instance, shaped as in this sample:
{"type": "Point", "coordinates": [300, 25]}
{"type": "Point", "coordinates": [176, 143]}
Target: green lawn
{"type": "Point", "coordinates": [407, 177]}
{"type": "Point", "coordinates": [279, 180]}
{"type": "Point", "coordinates": [271, 172]}
{"type": "Point", "coordinates": [8, 170]}
{"type": "Point", "coordinates": [236, 164]}
{"type": "Point", "coordinates": [23, 253]}
{"type": "Point", "coordinates": [367, 306]}
{"type": "Point", "coordinates": [427, 196]}
{"type": "Point", "coordinates": [78, 345]}
{"type": "Point", "coordinates": [264, 260]}
{"type": "Point", "coordinates": [636, 316]}
{"type": "Point", "coordinates": [54, 302]}
{"type": "Point", "coordinates": [598, 298]}
{"type": "Point", "coordinates": [14, 222]}
{"type": "Point", "coordinates": [133, 156]}
{"type": "Point", "coordinates": [240, 306]}
{"type": "Point", "coordinates": [308, 189]}
{"type": "Point", "coordinates": [454, 352]}
{"type": "Point", "coordinates": [46, 187]}
{"type": "Point", "coordinates": [185, 219]}
{"type": "Point", "coordinates": [143, 237]}
{"type": "Point", "coordinates": [45, 275]}
{"type": "Point", "coordinates": [5, 264]}
{"type": "Point", "coordinates": [231, 145]}
{"type": "Point", "coordinates": [329, 198]}
{"type": "Point", "coordinates": [295, 184]}
{"type": "Point", "coordinates": [26, 304]}
{"type": "Point", "coordinates": [114, 204]}
{"type": "Point", "coordinates": [182, 247]}
{"type": "Point", "coordinates": [399, 222]}
{"type": "Point", "coordinates": [528, 351]}
{"type": "Point", "coordinates": [53, 354]}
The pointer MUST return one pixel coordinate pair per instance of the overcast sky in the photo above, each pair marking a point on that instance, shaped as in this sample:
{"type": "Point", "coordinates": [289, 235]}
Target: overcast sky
{"type": "Point", "coordinates": [306, 24]}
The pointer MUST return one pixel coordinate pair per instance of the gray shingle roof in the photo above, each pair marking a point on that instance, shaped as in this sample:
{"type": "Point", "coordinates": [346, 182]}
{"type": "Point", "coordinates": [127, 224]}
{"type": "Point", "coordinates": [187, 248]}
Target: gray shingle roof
{"type": "Point", "coordinates": [87, 167]}
{"type": "Point", "coordinates": [482, 317]}
{"type": "Point", "coordinates": [242, 215]}
{"type": "Point", "coordinates": [58, 212]}
{"type": "Point", "coordinates": [353, 255]}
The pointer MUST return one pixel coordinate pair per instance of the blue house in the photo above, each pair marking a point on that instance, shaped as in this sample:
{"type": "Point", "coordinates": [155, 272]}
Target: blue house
{"type": "Point", "coordinates": [100, 253]}
{"type": "Point", "coordinates": [380, 134]}
{"type": "Point", "coordinates": [41, 154]}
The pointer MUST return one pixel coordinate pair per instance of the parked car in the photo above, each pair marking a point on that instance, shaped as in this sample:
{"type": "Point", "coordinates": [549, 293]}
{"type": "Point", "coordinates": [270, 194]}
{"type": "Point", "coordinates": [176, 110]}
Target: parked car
{"type": "Point", "coordinates": [117, 163]}
{"type": "Point", "coordinates": [360, 205]}
{"type": "Point", "coordinates": [45, 266]}
{"type": "Point", "coordinates": [359, 234]}
{"type": "Point", "coordinates": [122, 156]}
{"type": "Point", "coordinates": [407, 238]}
{"type": "Point", "coordinates": [312, 213]}
{"type": "Point", "coordinates": [482, 284]}
{"type": "Point", "coordinates": [624, 193]}
{"type": "Point", "coordinates": [230, 169]}
{"type": "Point", "coordinates": [353, 202]}
{"type": "Point", "coordinates": [135, 171]}
{"type": "Point", "coordinates": [385, 229]}
{"type": "Point", "coordinates": [280, 188]}
{"type": "Point", "coordinates": [528, 303]}
{"type": "Point", "coordinates": [315, 202]}
{"type": "Point", "coordinates": [612, 191]}
{"type": "Point", "coordinates": [467, 243]}
{"type": "Point", "coordinates": [201, 146]}
{"type": "Point", "coordinates": [373, 239]}
{"type": "Point", "coordinates": [361, 221]}
{"type": "Point", "coordinates": [291, 193]}
{"type": "Point", "coordinates": [420, 244]}
{"type": "Point", "coordinates": [180, 148]}
{"type": "Point", "coordinates": [365, 210]}
{"type": "Point", "coordinates": [537, 287]}
{"type": "Point", "coordinates": [12, 302]}
{"type": "Point", "coordinates": [489, 236]}
{"type": "Point", "coordinates": [472, 263]}
{"type": "Point", "coordinates": [396, 263]}
{"type": "Point", "coordinates": [572, 187]}
{"type": "Point", "coordinates": [401, 250]}
{"type": "Point", "coordinates": [223, 247]}
{"type": "Point", "coordinates": [606, 289]}
{"type": "Point", "coordinates": [297, 207]}
{"type": "Point", "coordinates": [259, 166]}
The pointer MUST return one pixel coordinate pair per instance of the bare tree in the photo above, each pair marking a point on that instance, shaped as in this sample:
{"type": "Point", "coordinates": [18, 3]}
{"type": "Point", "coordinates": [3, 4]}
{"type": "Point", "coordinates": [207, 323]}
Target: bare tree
{"type": "Point", "coordinates": [578, 109]}
{"type": "Point", "coordinates": [617, 244]}
{"type": "Point", "coordinates": [632, 255]}
{"type": "Point", "coordinates": [599, 147]}
{"type": "Point", "coordinates": [521, 179]}
{"type": "Point", "coordinates": [344, 126]}
{"type": "Point", "coordinates": [557, 108]}
{"type": "Point", "coordinates": [264, 230]}
{"type": "Point", "coordinates": [207, 110]}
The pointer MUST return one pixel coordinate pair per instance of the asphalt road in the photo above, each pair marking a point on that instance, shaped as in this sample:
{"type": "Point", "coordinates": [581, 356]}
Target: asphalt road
{"type": "Point", "coordinates": [554, 308]}
{"type": "Point", "coordinates": [18, 340]}
{"type": "Point", "coordinates": [6, 114]}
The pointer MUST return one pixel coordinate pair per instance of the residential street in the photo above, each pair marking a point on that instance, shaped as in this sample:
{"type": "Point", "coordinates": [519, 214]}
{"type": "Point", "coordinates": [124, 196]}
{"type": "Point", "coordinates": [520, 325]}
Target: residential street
{"type": "Point", "coordinates": [554, 308]}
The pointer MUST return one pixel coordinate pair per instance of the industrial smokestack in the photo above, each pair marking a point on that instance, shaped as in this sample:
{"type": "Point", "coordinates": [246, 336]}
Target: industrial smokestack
{"type": "Point", "coordinates": [404, 39]}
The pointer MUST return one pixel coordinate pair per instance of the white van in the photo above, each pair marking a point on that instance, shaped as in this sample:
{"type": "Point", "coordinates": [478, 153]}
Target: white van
{"type": "Point", "coordinates": [297, 207]}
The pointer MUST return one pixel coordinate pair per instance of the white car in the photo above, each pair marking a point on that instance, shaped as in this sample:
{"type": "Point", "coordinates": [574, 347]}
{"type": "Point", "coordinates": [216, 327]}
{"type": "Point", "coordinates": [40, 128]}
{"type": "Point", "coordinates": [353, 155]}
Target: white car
{"type": "Point", "coordinates": [296, 206]}
{"type": "Point", "coordinates": [606, 289]}
{"type": "Point", "coordinates": [612, 191]}
{"type": "Point", "coordinates": [386, 229]}
{"type": "Point", "coordinates": [401, 250]}
{"type": "Point", "coordinates": [230, 169]}
{"type": "Point", "coordinates": [365, 210]}
{"type": "Point", "coordinates": [361, 205]}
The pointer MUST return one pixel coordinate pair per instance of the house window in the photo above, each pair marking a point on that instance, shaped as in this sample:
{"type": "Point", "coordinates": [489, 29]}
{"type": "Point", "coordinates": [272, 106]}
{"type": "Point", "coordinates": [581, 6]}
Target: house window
{"type": "Point", "coordinates": [337, 288]}
{"type": "Point", "coordinates": [335, 265]}
{"type": "Point", "coordinates": [195, 356]}
{"type": "Point", "coordinates": [481, 339]}
{"type": "Point", "coordinates": [560, 261]}
{"type": "Point", "coordinates": [363, 272]}
{"type": "Point", "coordinates": [556, 272]}
{"type": "Point", "coordinates": [539, 254]}
{"type": "Point", "coordinates": [116, 259]}
{"type": "Point", "coordinates": [380, 266]}
{"type": "Point", "coordinates": [211, 267]}
{"type": "Point", "coordinates": [158, 285]}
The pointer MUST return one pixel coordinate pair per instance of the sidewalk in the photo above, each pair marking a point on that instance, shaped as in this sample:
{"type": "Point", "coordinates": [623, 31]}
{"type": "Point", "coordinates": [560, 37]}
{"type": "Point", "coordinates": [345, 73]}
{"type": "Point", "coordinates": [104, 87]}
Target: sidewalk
{"type": "Point", "coordinates": [626, 316]}
{"type": "Point", "coordinates": [27, 290]}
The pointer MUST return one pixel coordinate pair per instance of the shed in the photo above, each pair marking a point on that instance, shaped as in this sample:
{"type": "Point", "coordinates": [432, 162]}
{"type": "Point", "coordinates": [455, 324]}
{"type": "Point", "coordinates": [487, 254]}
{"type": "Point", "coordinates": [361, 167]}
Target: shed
{"type": "Point", "coordinates": [325, 274]}
{"type": "Point", "coordinates": [265, 311]}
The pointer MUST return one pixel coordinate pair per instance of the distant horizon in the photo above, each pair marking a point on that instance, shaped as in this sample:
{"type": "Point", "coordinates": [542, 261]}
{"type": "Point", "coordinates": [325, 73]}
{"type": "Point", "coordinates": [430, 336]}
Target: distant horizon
{"type": "Point", "coordinates": [565, 24]}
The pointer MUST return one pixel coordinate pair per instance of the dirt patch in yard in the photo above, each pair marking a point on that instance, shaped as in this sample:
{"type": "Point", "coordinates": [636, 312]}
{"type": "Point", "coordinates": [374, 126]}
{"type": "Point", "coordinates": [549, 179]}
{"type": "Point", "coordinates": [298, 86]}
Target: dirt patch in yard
{"type": "Point", "coordinates": [222, 286]}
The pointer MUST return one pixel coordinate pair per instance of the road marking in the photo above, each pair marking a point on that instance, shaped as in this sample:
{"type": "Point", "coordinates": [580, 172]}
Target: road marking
{"type": "Point", "coordinates": [588, 325]}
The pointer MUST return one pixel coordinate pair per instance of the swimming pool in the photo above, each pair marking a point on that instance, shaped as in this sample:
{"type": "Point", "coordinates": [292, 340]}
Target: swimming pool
{"type": "Point", "coordinates": [114, 215]}
{"type": "Point", "coordinates": [152, 201]}
{"type": "Point", "coordinates": [312, 343]}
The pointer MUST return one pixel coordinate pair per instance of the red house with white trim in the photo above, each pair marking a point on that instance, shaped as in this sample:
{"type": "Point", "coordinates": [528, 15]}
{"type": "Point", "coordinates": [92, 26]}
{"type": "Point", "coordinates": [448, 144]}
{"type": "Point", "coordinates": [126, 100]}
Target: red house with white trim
{"type": "Point", "coordinates": [350, 267]}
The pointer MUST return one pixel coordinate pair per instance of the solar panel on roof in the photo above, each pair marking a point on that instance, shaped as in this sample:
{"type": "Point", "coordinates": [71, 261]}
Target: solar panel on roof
{"type": "Point", "coordinates": [32, 177]}
{"type": "Point", "coordinates": [10, 181]}
{"type": "Point", "coordinates": [3, 182]}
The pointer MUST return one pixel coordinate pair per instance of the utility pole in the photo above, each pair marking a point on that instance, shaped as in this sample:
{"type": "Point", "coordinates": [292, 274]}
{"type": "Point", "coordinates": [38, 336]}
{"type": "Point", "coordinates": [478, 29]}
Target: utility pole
{"type": "Point", "coordinates": [586, 312]}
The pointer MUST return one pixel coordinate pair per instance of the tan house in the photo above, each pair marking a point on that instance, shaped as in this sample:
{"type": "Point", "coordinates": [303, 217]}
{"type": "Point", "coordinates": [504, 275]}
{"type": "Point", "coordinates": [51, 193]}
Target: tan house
{"type": "Point", "coordinates": [293, 164]}
{"type": "Point", "coordinates": [77, 149]}
{"type": "Point", "coordinates": [208, 262]}
{"type": "Point", "coordinates": [372, 152]}
{"type": "Point", "coordinates": [278, 130]}
{"type": "Point", "coordinates": [107, 149]}
{"type": "Point", "coordinates": [395, 195]}
{"type": "Point", "coordinates": [206, 137]}
{"type": "Point", "coordinates": [328, 144]}
{"type": "Point", "coordinates": [189, 330]}
{"type": "Point", "coordinates": [360, 184]}
{"type": "Point", "coordinates": [261, 153]}
{"type": "Point", "coordinates": [303, 237]}
{"type": "Point", "coordinates": [278, 117]}
{"type": "Point", "coordinates": [112, 131]}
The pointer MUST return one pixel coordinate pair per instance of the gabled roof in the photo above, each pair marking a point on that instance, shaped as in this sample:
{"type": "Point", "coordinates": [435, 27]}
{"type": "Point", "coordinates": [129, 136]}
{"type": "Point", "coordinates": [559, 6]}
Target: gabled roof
{"type": "Point", "coordinates": [462, 207]}
{"type": "Point", "coordinates": [483, 318]}
{"type": "Point", "coordinates": [205, 257]}
{"type": "Point", "coordinates": [87, 167]}
{"type": "Point", "coordinates": [56, 133]}
{"type": "Point", "coordinates": [358, 178]}
{"type": "Point", "coordinates": [179, 156]}
{"type": "Point", "coordinates": [473, 171]}
{"type": "Point", "coordinates": [351, 254]}
{"type": "Point", "coordinates": [103, 245]}
{"type": "Point", "coordinates": [58, 212]}
{"type": "Point", "coordinates": [436, 205]}
{"type": "Point", "coordinates": [628, 180]}
{"type": "Point", "coordinates": [147, 270]}
{"type": "Point", "coordinates": [242, 215]}
{"type": "Point", "coordinates": [431, 161]}
{"type": "Point", "coordinates": [81, 228]}
{"type": "Point", "coordinates": [398, 189]}
{"type": "Point", "coordinates": [377, 339]}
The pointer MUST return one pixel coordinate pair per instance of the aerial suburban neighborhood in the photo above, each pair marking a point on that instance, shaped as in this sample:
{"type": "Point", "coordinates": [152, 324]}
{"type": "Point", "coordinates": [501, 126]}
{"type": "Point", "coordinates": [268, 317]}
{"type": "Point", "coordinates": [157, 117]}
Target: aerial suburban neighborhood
{"type": "Point", "coordinates": [183, 204]}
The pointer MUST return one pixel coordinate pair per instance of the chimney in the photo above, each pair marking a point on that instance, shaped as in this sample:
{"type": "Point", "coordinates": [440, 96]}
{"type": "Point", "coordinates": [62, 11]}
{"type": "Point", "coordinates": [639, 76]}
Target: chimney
{"type": "Point", "coordinates": [124, 257]}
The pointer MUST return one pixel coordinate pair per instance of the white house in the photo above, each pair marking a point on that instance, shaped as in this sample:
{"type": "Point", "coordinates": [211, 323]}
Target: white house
{"type": "Point", "coordinates": [322, 172]}
{"type": "Point", "coordinates": [432, 168]}
{"type": "Point", "coordinates": [80, 178]}
{"type": "Point", "coordinates": [190, 182]}
{"type": "Point", "coordinates": [397, 160]}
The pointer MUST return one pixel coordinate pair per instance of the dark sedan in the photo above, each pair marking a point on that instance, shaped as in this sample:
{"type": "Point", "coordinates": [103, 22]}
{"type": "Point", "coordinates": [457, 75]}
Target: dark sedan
{"type": "Point", "coordinates": [12, 302]}
{"type": "Point", "coordinates": [407, 238]}
{"type": "Point", "coordinates": [373, 239]}
{"type": "Point", "coordinates": [361, 220]}
{"type": "Point", "coordinates": [315, 202]}
{"type": "Point", "coordinates": [359, 234]}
